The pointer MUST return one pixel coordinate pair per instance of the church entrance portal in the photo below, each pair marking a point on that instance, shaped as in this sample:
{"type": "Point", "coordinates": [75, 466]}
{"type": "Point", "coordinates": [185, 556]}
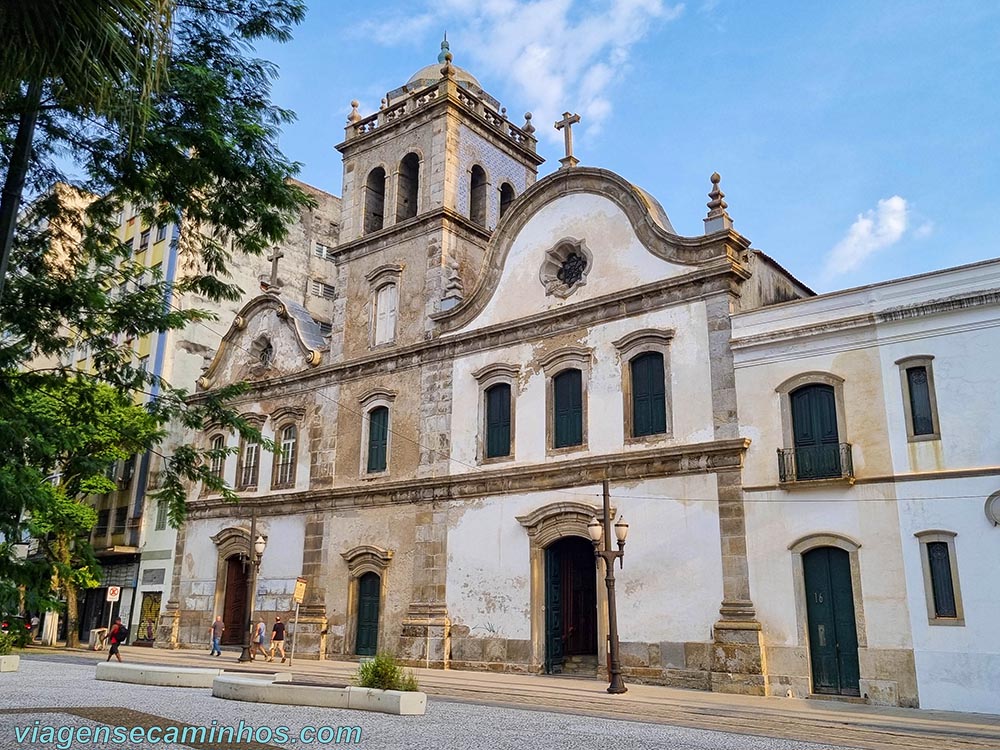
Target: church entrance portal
{"type": "Point", "coordinates": [234, 613]}
{"type": "Point", "coordinates": [570, 604]}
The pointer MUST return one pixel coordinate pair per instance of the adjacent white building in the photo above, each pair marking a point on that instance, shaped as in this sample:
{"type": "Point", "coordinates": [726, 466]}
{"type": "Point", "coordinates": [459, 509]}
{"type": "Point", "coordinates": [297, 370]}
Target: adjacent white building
{"type": "Point", "coordinates": [871, 444]}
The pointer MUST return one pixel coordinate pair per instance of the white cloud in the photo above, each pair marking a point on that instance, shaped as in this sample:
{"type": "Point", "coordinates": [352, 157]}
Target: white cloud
{"type": "Point", "coordinates": [874, 230]}
{"type": "Point", "coordinates": [926, 229]}
{"type": "Point", "coordinates": [556, 55]}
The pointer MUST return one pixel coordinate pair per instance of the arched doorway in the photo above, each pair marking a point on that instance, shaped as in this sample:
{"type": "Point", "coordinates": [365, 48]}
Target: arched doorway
{"type": "Point", "coordinates": [570, 607]}
{"type": "Point", "coordinates": [833, 634]}
{"type": "Point", "coordinates": [234, 611]}
{"type": "Point", "coordinates": [369, 595]}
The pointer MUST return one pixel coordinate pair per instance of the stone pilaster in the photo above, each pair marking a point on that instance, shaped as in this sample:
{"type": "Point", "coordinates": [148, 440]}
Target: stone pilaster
{"type": "Point", "coordinates": [426, 634]}
{"type": "Point", "coordinates": [435, 418]}
{"type": "Point", "coordinates": [168, 628]}
{"type": "Point", "coordinates": [310, 639]}
{"type": "Point", "coordinates": [737, 656]}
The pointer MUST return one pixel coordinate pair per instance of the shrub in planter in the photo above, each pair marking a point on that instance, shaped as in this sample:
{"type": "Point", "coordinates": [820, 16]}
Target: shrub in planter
{"type": "Point", "coordinates": [383, 673]}
{"type": "Point", "coordinates": [7, 643]}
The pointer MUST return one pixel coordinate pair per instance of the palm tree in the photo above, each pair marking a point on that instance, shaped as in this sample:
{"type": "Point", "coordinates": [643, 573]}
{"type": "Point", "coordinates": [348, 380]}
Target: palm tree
{"type": "Point", "coordinates": [86, 54]}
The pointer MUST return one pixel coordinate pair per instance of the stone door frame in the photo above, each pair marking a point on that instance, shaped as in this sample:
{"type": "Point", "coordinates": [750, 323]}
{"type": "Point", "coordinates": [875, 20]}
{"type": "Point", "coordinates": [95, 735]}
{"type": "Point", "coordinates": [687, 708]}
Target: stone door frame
{"type": "Point", "coordinates": [799, 548]}
{"type": "Point", "coordinates": [544, 526]}
{"type": "Point", "coordinates": [365, 558]}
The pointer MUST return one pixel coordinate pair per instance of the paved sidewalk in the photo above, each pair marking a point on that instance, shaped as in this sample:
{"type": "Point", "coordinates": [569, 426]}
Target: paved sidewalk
{"type": "Point", "coordinates": [819, 721]}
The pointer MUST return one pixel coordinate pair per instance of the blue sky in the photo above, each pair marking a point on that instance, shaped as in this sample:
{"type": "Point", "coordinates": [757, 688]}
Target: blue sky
{"type": "Point", "coordinates": [857, 141]}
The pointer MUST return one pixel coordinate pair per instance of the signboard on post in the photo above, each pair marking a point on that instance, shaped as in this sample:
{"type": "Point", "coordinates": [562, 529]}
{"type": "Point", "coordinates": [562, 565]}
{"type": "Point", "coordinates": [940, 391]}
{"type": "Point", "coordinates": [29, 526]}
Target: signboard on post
{"type": "Point", "coordinates": [114, 593]}
{"type": "Point", "coordinates": [300, 590]}
{"type": "Point", "coordinates": [298, 596]}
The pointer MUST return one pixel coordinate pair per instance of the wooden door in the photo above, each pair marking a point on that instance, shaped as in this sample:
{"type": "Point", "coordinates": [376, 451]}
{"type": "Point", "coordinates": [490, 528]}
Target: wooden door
{"type": "Point", "coordinates": [555, 654]}
{"type": "Point", "coordinates": [814, 427]}
{"type": "Point", "coordinates": [833, 635]}
{"type": "Point", "coordinates": [369, 595]}
{"type": "Point", "coordinates": [234, 610]}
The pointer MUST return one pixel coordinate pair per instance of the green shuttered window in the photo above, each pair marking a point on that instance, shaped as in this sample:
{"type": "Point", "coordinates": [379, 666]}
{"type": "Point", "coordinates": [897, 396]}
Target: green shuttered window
{"type": "Point", "coordinates": [567, 389]}
{"type": "Point", "coordinates": [920, 401]}
{"type": "Point", "coordinates": [942, 586]}
{"type": "Point", "coordinates": [378, 438]}
{"type": "Point", "coordinates": [649, 405]}
{"type": "Point", "coordinates": [498, 420]}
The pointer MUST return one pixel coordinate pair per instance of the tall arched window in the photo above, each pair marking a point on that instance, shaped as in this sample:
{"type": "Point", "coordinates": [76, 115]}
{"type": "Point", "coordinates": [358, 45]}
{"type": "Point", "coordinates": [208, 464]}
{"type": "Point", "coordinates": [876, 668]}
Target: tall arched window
{"type": "Point", "coordinates": [407, 186]}
{"type": "Point", "coordinates": [498, 410]}
{"type": "Point", "coordinates": [249, 465]}
{"type": "Point", "coordinates": [386, 301]}
{"type": "Point", "coordinates": [477, 196]}
{"type": "Point", "coordinates": [567, 408]}
{"type": "Point", "coordinates": [284, 466]}
{"type": "Point", "coordinates": [218, 464]}
{"type": "Point", "coordinates": [649, 403]}
{"type": "Point", "coordinates": [506, 197]}
{"type": "Point", "coordinates": [378, 439]}
{"type": "Point", "coordinates": [375, 200]}
{"type": "Point", "coordinates": [814, 428]}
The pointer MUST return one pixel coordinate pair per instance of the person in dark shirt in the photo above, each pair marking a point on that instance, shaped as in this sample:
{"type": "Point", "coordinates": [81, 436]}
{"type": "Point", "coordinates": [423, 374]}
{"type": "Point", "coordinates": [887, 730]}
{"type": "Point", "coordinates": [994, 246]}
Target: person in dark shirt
{"type": "Point", "coordinates": [278, 639]}
{"type": "Point", "coordinates": [117, 635]}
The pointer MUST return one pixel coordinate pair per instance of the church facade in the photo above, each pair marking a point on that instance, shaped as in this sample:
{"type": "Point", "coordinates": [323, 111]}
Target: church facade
{"type": "Point", "coordinates": [499, 347]}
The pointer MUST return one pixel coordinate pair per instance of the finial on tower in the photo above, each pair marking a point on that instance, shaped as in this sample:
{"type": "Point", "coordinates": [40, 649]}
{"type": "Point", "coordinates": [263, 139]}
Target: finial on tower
{"type": "Point", "coordinates": [528, 127]}
{"type": "Point", "coordinates": [718, 219]}
{"type": "Point", "coordinates": [446, 69]}
{"type": "Point", "coordinates": [445, 47]}
{"type": "Point", "coordinates": [355, 116]}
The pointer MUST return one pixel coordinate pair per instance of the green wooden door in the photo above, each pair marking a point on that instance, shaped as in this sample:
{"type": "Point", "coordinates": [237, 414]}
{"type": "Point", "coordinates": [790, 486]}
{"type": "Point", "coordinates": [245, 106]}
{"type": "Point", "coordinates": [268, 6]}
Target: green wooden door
{"type": "Point", "coordinates": [649, 406]}
{"type": "Point", "coordinates": [814, 426]}
{"type": "Point", "coordinates": [833, 635]}
{"type": "Point", "coordinates": [369, 592]}
{"type": "Point", "coordinates": [555, 647]}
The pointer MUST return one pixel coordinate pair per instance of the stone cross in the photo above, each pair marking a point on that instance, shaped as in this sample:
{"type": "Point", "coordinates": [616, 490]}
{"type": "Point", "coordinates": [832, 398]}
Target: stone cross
{"type": "Point", "coordinates": [274, 257]}
{"type": "Point", "coordinates": [566, 125]}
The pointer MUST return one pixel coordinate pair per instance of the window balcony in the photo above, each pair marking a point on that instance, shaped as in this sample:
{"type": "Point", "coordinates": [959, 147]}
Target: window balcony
{"type": "Point", "coordinates": [814, 463]}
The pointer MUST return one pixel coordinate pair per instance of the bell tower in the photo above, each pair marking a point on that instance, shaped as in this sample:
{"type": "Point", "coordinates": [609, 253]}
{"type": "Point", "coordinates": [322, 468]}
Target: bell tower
{"type": "Point", "coordinates": [439, 159]}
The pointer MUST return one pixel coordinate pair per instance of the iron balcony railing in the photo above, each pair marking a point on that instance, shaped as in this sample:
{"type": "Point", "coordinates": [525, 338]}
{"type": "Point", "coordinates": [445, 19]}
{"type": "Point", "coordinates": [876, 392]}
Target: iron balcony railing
{"type": "Point", "coordinates": [833, 461]}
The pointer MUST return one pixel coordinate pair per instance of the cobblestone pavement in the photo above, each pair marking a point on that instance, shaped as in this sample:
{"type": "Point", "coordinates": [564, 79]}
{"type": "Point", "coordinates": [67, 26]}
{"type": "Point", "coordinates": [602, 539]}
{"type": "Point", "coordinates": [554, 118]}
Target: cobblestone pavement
{"type": "Point", "coordinates": [63, 692]}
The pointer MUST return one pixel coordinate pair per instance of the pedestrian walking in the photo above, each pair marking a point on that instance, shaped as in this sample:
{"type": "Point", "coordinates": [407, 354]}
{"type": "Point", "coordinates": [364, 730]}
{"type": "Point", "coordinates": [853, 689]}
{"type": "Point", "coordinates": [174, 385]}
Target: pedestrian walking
{"type": "Point", "coordinates": [278, 639]}
{"type": "Point", "coordinates": [217, 628]}
{"type": "Point", "coordinates": [117, 636]}
{"type": "Point", "coordinates": [258, 640]}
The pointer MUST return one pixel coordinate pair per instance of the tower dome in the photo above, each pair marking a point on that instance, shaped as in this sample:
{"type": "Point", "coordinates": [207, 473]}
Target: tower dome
{"type": "Point", "coordinates": [431, 74]}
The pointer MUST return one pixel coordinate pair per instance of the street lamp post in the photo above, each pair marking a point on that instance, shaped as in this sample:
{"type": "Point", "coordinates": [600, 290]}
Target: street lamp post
{"type": "Point", "coordinates": [598, 530]}
{"type": "Point", "coordinates": [256, 543]}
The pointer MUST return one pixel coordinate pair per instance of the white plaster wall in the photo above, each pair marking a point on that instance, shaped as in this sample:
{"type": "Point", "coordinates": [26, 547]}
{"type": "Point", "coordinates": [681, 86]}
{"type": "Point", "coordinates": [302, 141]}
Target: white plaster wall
{"type": "Point", "coordinates": [958, 667]}
{"type": "Point", "coordinates": [691, 401]}
{"type": "Point", "coordinates": [965, 345]}
{"type": "Point", "coordinates": [280, 566]}
{"type": "Point", "coordinates": [670, 588]}
{"type": "Point", "coordinates": [620, 260]}
{"type": "Point", "coordinates": [865, 513]}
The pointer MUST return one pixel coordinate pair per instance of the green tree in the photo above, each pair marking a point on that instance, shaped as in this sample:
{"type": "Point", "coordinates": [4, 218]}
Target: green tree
{"type": "Point", "coordinates": [71, 433]}
{"type": "Point", "coordinates": [206, 158]}
{"type": "Point", "coordinates": [80, 55]}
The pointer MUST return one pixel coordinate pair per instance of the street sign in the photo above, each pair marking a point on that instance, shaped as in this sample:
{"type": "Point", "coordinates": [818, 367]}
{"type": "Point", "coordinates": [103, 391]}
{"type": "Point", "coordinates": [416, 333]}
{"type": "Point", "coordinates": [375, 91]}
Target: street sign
{"type": "Point", "coordinates": [300, 590]}
{"type": "Point", "coordinates": [114, 593]}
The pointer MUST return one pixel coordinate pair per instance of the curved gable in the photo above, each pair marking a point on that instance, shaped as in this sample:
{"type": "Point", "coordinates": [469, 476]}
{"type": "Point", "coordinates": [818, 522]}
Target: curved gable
{"type": "Point", "coordinates": [285, 325]}
{"type": "Point", "coordinates": [622, 237]}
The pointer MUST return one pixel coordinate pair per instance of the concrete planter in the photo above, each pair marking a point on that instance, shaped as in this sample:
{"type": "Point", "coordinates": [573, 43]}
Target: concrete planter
{"type": "Point", "coordinates": [409, 703]}
{"type": "Point", "coordinates": [241, 688]}
{"type": "Point", "coordinates": [194, 677]}
{"type": "Point", "coordinates": [10, 663]}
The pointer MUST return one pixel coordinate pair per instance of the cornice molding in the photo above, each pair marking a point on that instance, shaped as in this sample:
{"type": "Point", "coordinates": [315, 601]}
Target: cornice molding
{"type": "Point", "coordinates": [679, 460]}
{"type": "Point", "coordinates": [722, 277]}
